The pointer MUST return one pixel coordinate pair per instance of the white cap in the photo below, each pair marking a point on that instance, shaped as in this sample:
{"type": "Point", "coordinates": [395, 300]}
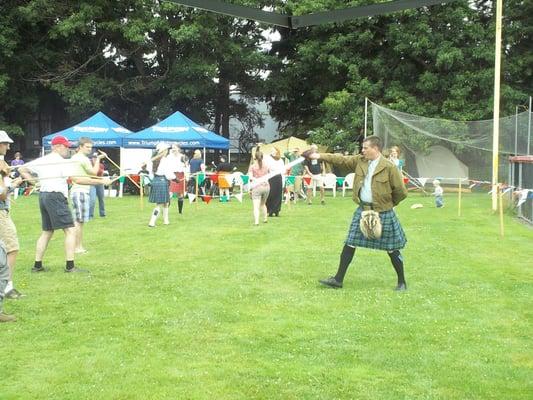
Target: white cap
{"type": "Point", "coordinates": [4, 138]}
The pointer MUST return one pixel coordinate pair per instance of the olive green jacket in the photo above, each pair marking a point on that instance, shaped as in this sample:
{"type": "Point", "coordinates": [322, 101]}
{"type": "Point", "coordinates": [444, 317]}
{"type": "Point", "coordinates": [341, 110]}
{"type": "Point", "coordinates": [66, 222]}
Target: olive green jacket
{"type": "Point", "coordinates": [388, 188]}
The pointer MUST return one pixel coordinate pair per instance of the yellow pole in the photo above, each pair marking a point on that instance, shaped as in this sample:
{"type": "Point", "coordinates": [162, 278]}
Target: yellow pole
{"type": "Point", "coordinates": [500, 195]}
{"type": "Point", "coordinates": [460, 196]}
{"type": "Point", "coordinates": [496, 114]}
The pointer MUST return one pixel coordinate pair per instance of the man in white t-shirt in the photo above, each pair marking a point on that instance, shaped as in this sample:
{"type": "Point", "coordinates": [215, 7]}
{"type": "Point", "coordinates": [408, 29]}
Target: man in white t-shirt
{"type": "Point", "coordinates": [53, 171]}
{"type": "Point", "coordinates": [81, 187]}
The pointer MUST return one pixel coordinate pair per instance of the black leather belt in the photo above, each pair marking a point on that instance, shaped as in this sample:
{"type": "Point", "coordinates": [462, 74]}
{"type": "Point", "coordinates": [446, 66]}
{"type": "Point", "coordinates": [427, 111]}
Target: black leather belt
{"type": "Point", "coordinates": [366, 205]}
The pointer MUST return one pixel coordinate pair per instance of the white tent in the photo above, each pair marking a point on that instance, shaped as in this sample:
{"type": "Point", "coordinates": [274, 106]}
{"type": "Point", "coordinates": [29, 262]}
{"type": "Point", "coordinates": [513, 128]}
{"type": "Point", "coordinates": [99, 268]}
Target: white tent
{"type": "Point", "coordinates": [440, 163]}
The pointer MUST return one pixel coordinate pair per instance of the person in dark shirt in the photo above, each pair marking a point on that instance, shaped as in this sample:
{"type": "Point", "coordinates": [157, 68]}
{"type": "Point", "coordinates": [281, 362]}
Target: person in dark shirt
{"type": "Point", "coordinates": [97, 191]}
{"type": "Point", "coordinates": [196, 166]}
{"type": "Point", "coordinates": [314, 169]}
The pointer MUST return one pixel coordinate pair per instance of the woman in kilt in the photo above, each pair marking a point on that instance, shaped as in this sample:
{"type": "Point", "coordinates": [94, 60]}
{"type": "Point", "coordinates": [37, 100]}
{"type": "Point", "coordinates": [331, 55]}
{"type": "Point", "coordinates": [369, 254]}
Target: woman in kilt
{"type": "Point", "coordinates": [159, 192]}
{"type": "Point", "coordinates": [377, 188]}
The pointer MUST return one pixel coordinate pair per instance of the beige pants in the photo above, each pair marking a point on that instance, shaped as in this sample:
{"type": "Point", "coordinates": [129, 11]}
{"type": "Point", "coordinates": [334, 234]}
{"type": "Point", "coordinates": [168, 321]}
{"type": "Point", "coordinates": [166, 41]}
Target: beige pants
{"type": "Point", "coordinates": [8, 232]}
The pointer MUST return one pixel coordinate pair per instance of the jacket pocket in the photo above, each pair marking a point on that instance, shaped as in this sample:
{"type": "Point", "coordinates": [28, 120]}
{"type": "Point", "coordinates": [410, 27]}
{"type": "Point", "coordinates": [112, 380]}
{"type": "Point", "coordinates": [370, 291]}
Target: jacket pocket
{"type": "Point", "coordinates": [382, 191]}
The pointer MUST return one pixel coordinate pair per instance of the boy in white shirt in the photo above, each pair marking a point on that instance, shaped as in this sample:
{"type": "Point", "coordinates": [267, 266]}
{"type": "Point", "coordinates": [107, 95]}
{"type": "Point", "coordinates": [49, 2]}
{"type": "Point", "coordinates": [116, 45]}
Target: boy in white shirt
{"type": "Point", "coordinates": [438, 193]}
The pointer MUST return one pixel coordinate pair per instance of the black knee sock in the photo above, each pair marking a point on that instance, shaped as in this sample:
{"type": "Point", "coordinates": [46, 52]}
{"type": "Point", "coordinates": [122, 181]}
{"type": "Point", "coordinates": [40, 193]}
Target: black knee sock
{"type": "Point", "coordinates": [180, 205]}
{"type": "Point", "coordinates": [346, 258]}
{"type": "Point", "coordinates": [397, 262]}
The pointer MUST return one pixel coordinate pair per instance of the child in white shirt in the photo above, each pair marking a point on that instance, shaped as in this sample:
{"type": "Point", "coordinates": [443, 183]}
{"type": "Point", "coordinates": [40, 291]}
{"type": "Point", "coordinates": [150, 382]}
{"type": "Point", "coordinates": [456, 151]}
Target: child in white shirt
{"type": "Point", "coordinates": [438, 193]}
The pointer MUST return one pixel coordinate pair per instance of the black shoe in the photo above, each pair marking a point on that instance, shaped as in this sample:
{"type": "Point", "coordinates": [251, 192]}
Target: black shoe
{"type": "Point", "coordinates": [76, 269]}
{"type": "Point", "coordinates": [42, 269]}
{"type": "Point", "coordinates": [331, 282]}
{"type": "Point", "coordinates": [401, 287]}
{"type": "Point", "coordinates": [276, 214]}
{"type": "Point", "coordinates": [14, 294]}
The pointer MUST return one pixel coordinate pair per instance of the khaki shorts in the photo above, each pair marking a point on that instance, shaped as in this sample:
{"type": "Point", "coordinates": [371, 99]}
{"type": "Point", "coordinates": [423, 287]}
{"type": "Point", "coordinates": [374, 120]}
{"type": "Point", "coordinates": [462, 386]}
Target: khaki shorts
{"type": "Point", "coordinates": [317, 180]}
{"type": "Point", "coordinates": [8, 232]}
{"type": "Point", "coordinates": [261, 192]}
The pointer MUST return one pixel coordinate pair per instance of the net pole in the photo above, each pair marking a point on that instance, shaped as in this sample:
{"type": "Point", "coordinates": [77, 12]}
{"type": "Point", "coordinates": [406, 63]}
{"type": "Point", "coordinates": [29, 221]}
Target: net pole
{"type": "Point", "coordinates": [496, 117]}
{"type": "Point", "coordinates": [366, 113]}
{"type": "Point", "coordinates": [500, 195]}
{"type": "Point", "coordinates": [529, 127]}
{"type": "Point", "coordinates": [516, 132]}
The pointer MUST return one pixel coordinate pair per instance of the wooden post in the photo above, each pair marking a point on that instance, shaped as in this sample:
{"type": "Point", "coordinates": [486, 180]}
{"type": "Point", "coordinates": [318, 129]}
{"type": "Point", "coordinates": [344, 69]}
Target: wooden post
{"type": "Point", "coordinates": [500, 195]}
{"type": "Point", "coordinates": [196, 190]}
{"type": "Point", "coordinates": [141, 184]}
{"type": "Point", "coordinates": [459, 197]}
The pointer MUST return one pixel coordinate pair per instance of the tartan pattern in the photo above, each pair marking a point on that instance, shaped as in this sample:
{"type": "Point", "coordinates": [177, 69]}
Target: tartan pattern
{"type": "Point", "coordinates": [81, 202]}
{"type": "Point", "coordinates": [178, 185]}
{"type": "Point", "coordinates": [392, 236]}
{"type": "Point", "coordinates": [159, 190]}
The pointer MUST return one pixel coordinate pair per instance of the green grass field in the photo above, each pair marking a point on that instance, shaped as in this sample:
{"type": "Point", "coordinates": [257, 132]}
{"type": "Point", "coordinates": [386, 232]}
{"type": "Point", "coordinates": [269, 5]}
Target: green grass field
{"type": "Point", "coordinates": [211, 307]}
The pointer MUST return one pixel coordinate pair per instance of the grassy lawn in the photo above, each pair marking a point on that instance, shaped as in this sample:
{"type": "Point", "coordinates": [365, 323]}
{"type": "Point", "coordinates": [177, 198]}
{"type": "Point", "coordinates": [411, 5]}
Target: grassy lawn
{"type": "Point", "coordinates": [211, 307]}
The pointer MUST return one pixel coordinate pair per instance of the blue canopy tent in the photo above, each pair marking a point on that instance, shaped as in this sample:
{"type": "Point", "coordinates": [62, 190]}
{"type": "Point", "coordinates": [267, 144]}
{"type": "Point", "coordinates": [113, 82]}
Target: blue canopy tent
{"type": "Point", "coordinates": [103, 131]}
{"type": "Point", "coordinates": [176, 128]}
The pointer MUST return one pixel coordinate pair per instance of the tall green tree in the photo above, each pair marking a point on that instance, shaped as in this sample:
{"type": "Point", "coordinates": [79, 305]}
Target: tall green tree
{"type": "Point", "coordinates": [137, 60]}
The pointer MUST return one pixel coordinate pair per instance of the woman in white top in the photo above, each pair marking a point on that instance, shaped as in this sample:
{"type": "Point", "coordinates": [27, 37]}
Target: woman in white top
{"type": "Point", "coordinates": [276, 164]}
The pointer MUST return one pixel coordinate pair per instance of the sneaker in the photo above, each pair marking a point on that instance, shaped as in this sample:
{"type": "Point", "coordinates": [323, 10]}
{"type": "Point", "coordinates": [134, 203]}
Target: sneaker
{"type": "Point", "coordinates": [331, 282]}
{"type": "Point", "coordinates": [7, 317]}
{"type": "Point", "coordinates": [401, 287]}
{"type": "Point", "coordinates": [76, 269]}
{"type": "Point", "coordinates": [14, 294]}
{"type": "Point", "coordinates": [42, 269]}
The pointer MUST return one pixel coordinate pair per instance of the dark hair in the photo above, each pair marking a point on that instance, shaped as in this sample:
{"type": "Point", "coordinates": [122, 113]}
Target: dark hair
{"type": "Point", "coordinates": [374, 141]}
{"type": "Point", "coordinates": [259, 157]}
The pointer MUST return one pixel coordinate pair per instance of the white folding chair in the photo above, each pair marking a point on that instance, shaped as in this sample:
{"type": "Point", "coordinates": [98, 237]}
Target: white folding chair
{"type": "Point", "coordinates": [330, 182]}
{"type": "Point", "coordinates": [237, 180]}
{"type": "Point", "coordinates": [348, 183]}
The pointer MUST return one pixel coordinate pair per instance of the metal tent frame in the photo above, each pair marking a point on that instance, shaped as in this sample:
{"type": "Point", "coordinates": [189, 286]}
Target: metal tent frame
{"type": "Point", "coordinates": [302, 21]}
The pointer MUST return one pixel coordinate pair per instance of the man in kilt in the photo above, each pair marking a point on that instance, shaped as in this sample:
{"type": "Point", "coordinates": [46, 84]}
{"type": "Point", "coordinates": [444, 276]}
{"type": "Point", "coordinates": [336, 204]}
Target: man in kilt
{"type": "Point", "coordinates": [377, 187]}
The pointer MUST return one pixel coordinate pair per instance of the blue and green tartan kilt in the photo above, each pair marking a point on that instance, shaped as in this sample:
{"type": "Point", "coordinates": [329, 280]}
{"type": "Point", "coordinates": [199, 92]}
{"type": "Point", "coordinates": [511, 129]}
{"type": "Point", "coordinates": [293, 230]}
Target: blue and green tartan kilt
{"type": "Point", "coordinates": [392, 234]}
{"type": "Point", "coordinates": [159, 190]}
